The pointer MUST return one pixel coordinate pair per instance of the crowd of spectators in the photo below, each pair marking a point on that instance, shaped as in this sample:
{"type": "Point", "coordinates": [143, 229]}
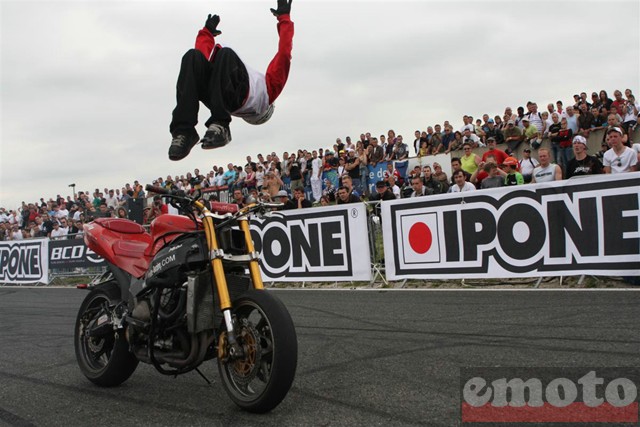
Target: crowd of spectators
{"type": "Point", "coordinates": [340, 174]}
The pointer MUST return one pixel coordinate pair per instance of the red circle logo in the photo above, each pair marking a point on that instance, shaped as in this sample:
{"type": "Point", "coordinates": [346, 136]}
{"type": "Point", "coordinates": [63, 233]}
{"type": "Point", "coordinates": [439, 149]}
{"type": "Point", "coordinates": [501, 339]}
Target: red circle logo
{"type": "Point", "coordinates": [420, 237]}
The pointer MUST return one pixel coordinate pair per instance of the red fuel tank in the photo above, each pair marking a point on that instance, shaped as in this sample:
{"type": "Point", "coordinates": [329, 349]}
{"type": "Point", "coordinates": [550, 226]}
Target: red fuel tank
{"type": "Point", "coordinates": [166, 228]}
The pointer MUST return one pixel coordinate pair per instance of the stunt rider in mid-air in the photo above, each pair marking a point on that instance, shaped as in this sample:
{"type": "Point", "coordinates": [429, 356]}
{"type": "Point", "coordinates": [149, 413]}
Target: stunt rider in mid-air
{"type": "Point", "coordinates": [216, 76]}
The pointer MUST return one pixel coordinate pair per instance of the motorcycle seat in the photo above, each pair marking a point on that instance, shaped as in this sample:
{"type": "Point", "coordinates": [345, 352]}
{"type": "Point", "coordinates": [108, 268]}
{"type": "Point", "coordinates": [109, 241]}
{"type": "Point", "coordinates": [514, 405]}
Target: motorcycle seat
{"type": "Point", "coordinates": [130, 248]}
{"type": "Point", "coordinates": [120, 225]}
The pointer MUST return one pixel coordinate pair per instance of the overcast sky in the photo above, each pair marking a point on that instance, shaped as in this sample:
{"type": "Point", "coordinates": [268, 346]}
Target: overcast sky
{"type": "Point", "coordinates": [88, 87]}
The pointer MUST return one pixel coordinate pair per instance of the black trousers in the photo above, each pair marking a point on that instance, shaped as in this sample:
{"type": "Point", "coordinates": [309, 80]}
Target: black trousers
{"type": "Point", "coordinates": [221, 85]}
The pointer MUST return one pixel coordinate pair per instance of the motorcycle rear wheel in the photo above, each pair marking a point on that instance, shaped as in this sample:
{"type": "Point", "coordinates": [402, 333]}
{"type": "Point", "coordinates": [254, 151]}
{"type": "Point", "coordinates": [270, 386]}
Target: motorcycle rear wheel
{"type": "Point", "coordinates": [105, 360]}
{"type": "Point", "coordinates": [261, 379]}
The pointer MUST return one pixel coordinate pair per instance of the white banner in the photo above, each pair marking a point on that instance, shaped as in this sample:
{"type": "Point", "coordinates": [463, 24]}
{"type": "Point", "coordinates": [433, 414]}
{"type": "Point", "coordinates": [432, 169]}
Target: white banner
{"type": "Point", "coordinates": [314, 244]}
{"type": "Point", "coordinates": [24, 261]}
{"type": "Point", "coordinates": [573, 227]}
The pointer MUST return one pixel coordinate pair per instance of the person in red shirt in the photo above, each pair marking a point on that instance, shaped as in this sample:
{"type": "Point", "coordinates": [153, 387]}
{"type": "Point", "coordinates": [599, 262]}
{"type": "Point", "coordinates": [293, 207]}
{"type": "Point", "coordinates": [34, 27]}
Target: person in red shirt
{"type": "Point", "coordinates": [498, 155]}
{"type": "Point", "coordinates": [217, 77]}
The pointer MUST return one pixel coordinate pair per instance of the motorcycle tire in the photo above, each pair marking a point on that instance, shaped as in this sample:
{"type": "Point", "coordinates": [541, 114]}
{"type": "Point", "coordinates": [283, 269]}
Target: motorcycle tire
{"type": "Point", "coordinates": [105, 361]}
{"type": "Point", "coordinates": [259, 380]}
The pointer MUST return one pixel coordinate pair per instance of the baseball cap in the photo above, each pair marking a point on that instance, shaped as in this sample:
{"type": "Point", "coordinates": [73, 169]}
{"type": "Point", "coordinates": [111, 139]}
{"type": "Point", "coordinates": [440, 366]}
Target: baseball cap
{"type": "Point", "coordinates": [615, 129]}
{"type": "Point", "coordinates": [381, 184]}
{"type": "Point", "coordinates": [282, 193]}
{"type": "Point", "coordinates": [511, 122]}
{"type": "Point", "coordinates": [525, 119]}
{"type": "Point", "coordinates": [490, 121]}
{"type": "Point", "coordinates": [578, 139]}
{"type": "Point", "coordinates": [491, 139]}
{"type": "Point", "coordinates": [510, 161]}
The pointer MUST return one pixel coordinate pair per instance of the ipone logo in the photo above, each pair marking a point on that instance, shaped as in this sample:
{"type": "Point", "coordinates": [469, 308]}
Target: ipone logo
{"type": "Point", "coordinates": [541, 229]}
{"type": "Point", "coordinates": [549, 395]}
{"type": "Point", "coordinates": [298, 244]}
{"type": "Point", "coordinates": [21, 261]}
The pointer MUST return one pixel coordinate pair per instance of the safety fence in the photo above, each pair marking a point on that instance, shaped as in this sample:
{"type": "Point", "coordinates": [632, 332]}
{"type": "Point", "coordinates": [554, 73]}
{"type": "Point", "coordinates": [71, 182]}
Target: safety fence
{"type": "Point", "coordinates": [587, 226]}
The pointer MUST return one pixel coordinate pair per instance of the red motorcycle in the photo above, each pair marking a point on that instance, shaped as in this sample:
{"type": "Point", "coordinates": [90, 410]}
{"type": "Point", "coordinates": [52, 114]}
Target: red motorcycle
{"type": "Point", "coordinates": [187, 292]}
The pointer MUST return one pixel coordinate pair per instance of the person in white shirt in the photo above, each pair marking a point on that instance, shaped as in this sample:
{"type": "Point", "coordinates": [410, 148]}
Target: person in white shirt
{"type": "Point", "coordinates": [460, 183]}
{"type": "Point", "coordinates": [472, 139]}
{"type": "Point", "coordinates": [527, 164]}
{"type": "Point", "coordinates": [572, 119]}
{"type": "Point", "coordinates": [111, 199]}
{"type": "Point", "coordinates": [547, 171]}
{"type": "Point", "coordinates": [391, 180]}
{"type": "Point", "coordinates": [316, 176]}
{"type": "Point", "coordinates": [619, 158]}
{"type": "Point", "coordinates": [58, 231]}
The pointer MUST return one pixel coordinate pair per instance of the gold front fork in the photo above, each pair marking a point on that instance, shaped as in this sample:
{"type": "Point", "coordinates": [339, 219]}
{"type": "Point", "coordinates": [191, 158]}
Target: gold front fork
{"type": "Point", "coordinates": [254, 267]}
{"type": "Point", "coordinates": [216, 263]}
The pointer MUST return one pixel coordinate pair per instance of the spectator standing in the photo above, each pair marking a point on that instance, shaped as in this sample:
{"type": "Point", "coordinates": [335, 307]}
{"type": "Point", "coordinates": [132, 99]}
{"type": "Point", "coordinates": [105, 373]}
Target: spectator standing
{"type": "Point", "coordinates": [376, 152]}
{"type": "Point", "coordinates": [572, 120]}
{"type": "Point", "coordinates": [552, 134]}
{"type": "Point", "coordinates": [363, 170]}
{"type": "Point", "coordinates": [619, 158]}
{"type": "Point", "coordinates": [316, 176]}
{"type": "Point", "coordinates": [547, 171]}
{"type": "Point", "coordinates": [582, 163]}
{"type": "Point", "coordinates": [527, 164]}
{"type": "Point", "coordinates": [400, 150]}
{"type": "Point", "coordinates": [294, 172]}
{"type": "Point", "coordinates": [535, 118]}
{"type": "Point", "coordinates": [229, 176]}
{"type": "Point", "coordinates": [260, 177]}
{"type": "Point", "coordinates": [563, 139]}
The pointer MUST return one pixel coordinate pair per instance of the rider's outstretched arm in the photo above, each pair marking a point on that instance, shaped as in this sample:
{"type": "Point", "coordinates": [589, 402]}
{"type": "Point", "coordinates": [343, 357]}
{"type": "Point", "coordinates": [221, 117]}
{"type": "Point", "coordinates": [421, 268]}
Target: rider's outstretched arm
{"type": "Point", "coordinates": [278, 70]}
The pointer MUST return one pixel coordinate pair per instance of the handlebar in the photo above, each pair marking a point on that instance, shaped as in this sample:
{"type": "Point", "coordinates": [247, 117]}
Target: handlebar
{"type": "Point", "coordinates": [179, 194]}
{"type": "Point", "coordinates": [157, 190]}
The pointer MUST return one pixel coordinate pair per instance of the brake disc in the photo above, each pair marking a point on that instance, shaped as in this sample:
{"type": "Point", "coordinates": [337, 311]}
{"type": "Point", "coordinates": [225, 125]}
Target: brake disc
{"type": "Point", "coordinates": [244, 369]}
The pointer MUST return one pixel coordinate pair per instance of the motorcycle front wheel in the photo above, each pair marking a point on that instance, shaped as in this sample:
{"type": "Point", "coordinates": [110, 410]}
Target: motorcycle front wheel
{"type": "Point", "coordinates": [261, 378]}
{"type": "Point", "coordinates": [104, 359]}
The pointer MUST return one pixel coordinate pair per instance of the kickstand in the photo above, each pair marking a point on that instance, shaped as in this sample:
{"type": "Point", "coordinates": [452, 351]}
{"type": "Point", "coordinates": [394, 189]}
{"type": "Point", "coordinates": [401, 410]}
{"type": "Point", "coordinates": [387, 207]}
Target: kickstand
{"type": "Point", "coordinates": [203, 376]}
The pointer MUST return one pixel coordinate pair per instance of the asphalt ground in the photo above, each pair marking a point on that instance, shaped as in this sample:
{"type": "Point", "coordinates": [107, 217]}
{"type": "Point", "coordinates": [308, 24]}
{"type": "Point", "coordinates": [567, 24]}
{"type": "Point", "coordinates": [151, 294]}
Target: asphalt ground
{"type": "Point", "coordinates": [366, 358]}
